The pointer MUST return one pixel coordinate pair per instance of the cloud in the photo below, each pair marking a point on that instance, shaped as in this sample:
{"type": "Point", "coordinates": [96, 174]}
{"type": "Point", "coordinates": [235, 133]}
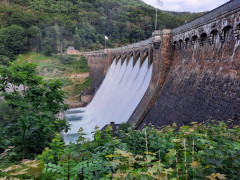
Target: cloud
{"type": "Point", "coordinates": [186, 5]}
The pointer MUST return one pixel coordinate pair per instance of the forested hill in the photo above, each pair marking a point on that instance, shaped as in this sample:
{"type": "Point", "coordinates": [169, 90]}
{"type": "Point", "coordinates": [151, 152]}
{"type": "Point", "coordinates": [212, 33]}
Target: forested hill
{"type": "Point", "coordinates": [49, 26]}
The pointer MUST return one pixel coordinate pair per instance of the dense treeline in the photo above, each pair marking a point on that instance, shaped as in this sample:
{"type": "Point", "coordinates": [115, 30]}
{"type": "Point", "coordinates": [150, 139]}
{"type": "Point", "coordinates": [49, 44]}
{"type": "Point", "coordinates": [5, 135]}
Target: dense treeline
{"type": "Point", "coordinates": [49, 26]}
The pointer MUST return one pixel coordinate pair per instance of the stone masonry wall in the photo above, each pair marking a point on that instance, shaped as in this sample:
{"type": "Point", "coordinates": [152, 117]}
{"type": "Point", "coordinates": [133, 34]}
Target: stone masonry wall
{"type": "Point", "coordinates": [98, 63]}
{"type": "Point", "coordinates": [203, 84]}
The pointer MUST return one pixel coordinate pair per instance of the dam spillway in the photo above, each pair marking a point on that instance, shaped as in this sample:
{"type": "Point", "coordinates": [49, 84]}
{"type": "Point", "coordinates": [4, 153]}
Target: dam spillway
{"type": "Point", "coordinates": [116, 99]}
{"type": "Point", "coordinates": [195, 74]}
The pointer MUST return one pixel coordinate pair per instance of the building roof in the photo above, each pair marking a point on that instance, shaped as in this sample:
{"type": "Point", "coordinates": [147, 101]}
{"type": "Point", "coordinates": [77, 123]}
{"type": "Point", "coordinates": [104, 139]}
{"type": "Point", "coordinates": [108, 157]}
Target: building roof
{"type": "Point", "coordinates": [70, 48]}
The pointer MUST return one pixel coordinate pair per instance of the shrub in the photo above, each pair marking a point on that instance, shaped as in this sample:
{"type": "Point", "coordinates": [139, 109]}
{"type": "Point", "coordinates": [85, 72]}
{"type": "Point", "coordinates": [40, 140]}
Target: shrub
{"type": "Point", "coordinates": [66, 59]}
{"type": "Point", "coordinates": [199, 151]}
{"type": "Point", "coordinates": [4, 60]}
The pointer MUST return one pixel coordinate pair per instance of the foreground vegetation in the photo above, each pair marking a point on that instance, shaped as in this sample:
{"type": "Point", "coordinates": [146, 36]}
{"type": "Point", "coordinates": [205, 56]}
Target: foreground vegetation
{"type": "Point", "coordinates": [200, 151]}
{"type": "Point", "coordinates": [28, 113]}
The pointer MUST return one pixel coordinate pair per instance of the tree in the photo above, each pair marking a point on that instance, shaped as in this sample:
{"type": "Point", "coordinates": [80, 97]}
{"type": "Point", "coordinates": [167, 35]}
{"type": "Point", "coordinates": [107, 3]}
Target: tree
{"type": "Point", "coordinates": [13, 41]}
{"type": "Point", "coordinates": [34, 105]}
{"type": "Point", "coordinates": [87, 34]}
{"type": "Point", "coordinates": [4, 60]}
{"type": "Point", "coordinates": [22, 19]}
{"type": "Point", "coordinates": [49, 44]}
{"type": "Point", "coordinates": [35, 36]}
{"type": "Point", "coordinates": [84, 22]}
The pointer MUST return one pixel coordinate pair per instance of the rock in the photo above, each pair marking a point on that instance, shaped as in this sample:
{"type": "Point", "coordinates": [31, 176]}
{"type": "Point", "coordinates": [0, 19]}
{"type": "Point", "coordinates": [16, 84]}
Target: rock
{"type": "Point", "coordinates": [86, 99]}
{"type": "Point", "coordinates": [76, 105]}
{"type": "Point", "coordinates": [88, 91]}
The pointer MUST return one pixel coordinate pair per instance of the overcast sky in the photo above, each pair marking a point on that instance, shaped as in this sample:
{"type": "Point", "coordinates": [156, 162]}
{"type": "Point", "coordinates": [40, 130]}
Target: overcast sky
{"type": "Point", "coordinates": [186, 5]}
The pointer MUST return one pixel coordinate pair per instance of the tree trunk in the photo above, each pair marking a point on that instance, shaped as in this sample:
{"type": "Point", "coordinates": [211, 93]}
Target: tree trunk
{"type": "Point", "coordinates": [23, 146]}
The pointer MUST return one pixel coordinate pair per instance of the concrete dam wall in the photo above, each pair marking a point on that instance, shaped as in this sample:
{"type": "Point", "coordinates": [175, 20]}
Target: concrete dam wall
{"type": "Point", "coordinates": [195, 74]}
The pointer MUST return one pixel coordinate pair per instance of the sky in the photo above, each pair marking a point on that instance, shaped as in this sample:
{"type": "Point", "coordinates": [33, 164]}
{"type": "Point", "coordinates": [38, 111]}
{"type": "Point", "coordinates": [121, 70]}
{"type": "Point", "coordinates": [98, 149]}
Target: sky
{"type": "Point", "coordinates": [186, 5]}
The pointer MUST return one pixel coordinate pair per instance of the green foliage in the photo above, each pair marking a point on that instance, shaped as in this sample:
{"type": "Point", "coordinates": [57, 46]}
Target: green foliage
{"type": "Point", "coordinates": [200, 151]}
{"type": "Point", "coordinates": [66, 82]}
{"type": "Point", "coordinates": [13, 41]}
{"type": "Point", "coordinates": [35, 37]}
{"type": "Point", "coordinates": [85, 160]}
{"type": "Point", "coordinates": [32, 106]}
{"type": "Point", "coordinates": [85, 23]}
{"type": "Point", "coordinates": [83, 65]}
{"type": "Point", "coordinates": [4, 60]}
{"type": "Point", "coordinates": [190, 152]}
{"type": "Point", "coordinates": [69, 74]}
{"type": "Point", "coordinates": [67, 59]}
{"type": "Point", "coordinates": [53, 154]}
{"type": "Point", "coordinates": [49, 44]}
{"type": "Point", "coordinates": [86, 84]}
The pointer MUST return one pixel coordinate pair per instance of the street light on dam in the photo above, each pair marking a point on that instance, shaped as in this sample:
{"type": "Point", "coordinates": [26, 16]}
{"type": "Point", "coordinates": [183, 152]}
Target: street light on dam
{"type": "Point", "coordinates": [159, 3]}
{"type": "Point", "coordinates": [106, 38]}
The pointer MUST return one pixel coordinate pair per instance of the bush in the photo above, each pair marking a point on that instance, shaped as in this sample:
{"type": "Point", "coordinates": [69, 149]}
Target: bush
{"type": "Point", "coordinates": [66, 82]}
{"type": "Point", "coordinates": [66, 59]}
{"type": "Point", "coordinates": [4, 60]}
{"type": "Point", "coordinates": [83, 65]}
{"type": "Point", "coordinates": [201, 151]}
{"type": "Point", "coordinates": [78, 88]}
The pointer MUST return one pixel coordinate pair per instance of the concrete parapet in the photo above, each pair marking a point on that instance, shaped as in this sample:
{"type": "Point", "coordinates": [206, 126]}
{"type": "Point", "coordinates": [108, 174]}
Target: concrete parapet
{"type": "Point", "coordinates": [231, 7]}
{"type": "Point", "coordinates": [218, 26]}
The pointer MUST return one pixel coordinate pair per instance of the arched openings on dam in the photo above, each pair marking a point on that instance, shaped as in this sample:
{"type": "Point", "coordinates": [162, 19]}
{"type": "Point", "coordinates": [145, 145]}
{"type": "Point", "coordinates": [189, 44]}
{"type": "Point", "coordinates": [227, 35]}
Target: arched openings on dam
{"type": "Point", "coordinates": [175, 45]}
{"type": "Point", "coordinates": [194, 41]}
{"type": "Point", "coordinates": [137, 55]}
{"type": "Point", "coordinates": [227, 33]}
{"type": "Point", "coordinates": [187, 43]}
{"type": "Point", "coordinates": [214, 37]}
{"type": "Point", "coordinates": [216, 27]}
{"type": "Point", "coordinates": [209, 37]}
{"type": "Point", "coordinates": [129, 56]}
{"type": "Point", "coordinates": [118, 58]}
{"type": "Point", "coordinates": [123, 57]}
{"type": "Point", "coordinates": [180, 44]}
{"type": "Point", "coordinates": [203, 39]}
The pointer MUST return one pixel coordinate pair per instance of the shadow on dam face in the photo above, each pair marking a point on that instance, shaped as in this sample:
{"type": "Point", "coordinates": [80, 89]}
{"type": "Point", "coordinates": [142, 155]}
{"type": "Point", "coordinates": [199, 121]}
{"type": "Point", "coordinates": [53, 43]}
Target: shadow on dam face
{"type": "Point", "coordinates": [121, 91]}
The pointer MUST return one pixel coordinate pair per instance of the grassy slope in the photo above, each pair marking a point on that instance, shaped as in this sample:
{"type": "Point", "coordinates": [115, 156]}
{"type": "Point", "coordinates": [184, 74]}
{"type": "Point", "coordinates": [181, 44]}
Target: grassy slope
{"type": "Point", "coordinates": [75, 76]}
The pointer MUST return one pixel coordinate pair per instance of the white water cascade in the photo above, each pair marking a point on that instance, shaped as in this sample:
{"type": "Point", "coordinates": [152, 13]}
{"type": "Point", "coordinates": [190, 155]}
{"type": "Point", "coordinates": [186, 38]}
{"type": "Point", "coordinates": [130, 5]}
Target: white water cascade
{"type": "Point", "coordinates": [119, 94]}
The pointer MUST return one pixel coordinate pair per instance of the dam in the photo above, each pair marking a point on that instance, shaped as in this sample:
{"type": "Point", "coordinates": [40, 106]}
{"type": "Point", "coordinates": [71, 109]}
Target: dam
{"type": "Point", "coordinates": [188, 74]}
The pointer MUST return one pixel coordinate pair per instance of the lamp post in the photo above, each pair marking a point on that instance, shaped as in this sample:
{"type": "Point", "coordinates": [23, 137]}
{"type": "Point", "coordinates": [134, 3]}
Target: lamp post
{"type": "Point", "coordinates": [160, 4]}
{"type": "Point", "coordinates": [106, 38]}
{"type": "Point", "coordinates": [156, 21]}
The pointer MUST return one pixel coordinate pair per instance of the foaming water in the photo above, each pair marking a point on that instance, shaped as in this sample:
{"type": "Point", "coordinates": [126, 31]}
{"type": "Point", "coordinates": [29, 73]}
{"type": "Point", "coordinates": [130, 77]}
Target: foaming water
{"type": "Point", "coordinates": [115, 100]}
